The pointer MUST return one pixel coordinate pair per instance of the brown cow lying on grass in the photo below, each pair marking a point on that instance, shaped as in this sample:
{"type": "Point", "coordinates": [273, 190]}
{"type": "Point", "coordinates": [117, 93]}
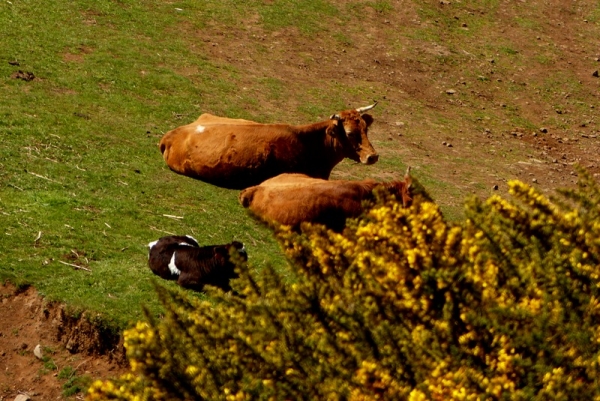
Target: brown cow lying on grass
{"type": "Point", "coordinates": [180, 258]}
{"type": "Point", "coordinates": [236, 153]}
{"type": "Point", "coordinates": [291, 199]}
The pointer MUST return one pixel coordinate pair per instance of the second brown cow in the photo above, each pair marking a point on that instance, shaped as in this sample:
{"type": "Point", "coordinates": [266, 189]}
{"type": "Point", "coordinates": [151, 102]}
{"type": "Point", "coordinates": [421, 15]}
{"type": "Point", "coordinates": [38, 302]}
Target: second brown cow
{"type": "Point", "coordinates": [291, 199]}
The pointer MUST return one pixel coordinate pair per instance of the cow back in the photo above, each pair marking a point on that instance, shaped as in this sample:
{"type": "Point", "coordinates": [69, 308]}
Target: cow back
{"type": "Point", "coordinates": [291, 199]}
{"type": "Point", "coordinates": [238, 153]}
{"type": "Point", "coordinates": [161, 251]}
{"type": "Point", "coordinates": [209, 265]}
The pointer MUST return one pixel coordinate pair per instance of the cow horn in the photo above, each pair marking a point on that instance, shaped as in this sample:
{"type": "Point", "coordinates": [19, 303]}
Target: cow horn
{"type": "Point", "coordinates": [366, 108]}
{"type": "Point", "coordinates": [407, 177]}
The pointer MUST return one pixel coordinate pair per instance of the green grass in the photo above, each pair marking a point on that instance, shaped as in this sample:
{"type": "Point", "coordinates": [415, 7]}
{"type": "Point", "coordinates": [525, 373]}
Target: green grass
{"type": "Point", "coordinates": [82, 180]}
{"type": "Point", "coordinates": [79, 164]}
{"type": "Point", "coordinates": [73, 383]}
{"type": "Point", "coordinates": [308, 16]}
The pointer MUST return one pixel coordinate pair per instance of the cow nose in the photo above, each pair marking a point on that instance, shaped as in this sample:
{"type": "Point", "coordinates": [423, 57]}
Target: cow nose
{"type": "Point", "coordinates": [372, 158]}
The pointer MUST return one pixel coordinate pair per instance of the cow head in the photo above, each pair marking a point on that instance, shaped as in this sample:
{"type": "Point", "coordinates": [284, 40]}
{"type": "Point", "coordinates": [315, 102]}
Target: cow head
{"type": "Point", "coordinates": [350, 129]}
{"type": "Point", "coordinates": [241, 249]}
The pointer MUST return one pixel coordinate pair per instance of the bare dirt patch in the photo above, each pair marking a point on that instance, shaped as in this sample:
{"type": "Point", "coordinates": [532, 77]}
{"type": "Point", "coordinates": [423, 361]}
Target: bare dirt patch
{"type": "Point", "coordinates": [516, 100]}
{"type": "Point", "coordinates": [69, 345]}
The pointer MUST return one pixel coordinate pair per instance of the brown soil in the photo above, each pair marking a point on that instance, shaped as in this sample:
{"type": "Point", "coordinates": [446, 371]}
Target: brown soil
{"type": "Point", "coordinates": [68, 344]}
{"type": "Point", "coordinates": [448, 109]}
{"type": "Point", "coordinates": [471, 120]}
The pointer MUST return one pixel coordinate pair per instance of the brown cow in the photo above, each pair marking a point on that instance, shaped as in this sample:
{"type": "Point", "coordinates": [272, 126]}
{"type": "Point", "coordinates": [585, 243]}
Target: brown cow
{"type": "Point", "coordinates": [291, 199]}
{"type": "Point", "coordinates": [236, 153]}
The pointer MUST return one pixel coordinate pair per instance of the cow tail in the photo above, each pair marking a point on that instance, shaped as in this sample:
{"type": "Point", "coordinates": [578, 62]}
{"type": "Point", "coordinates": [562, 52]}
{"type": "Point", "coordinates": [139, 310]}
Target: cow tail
{"type": "Point", "coordinates": [164, 149]}
{"type": "Point", "coordinates": [165, 144]}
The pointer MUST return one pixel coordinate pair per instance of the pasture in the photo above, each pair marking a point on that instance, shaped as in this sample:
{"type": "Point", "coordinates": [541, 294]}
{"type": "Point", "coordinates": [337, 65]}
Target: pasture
{"type": "Point", "coordinates": [471, 94]}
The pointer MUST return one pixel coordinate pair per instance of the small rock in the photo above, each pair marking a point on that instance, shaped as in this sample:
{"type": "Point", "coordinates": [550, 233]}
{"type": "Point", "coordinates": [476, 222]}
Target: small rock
{"type": "Point", "coordinates": [495, 187]}
{"type": "Point", "coordinates": [450, 91]}
{"type": "Point", "coordinates": [444, 143]}
{"type": "Point", "coordinates": [449, 145]}
{"type": "Point", "coordinates": [37, 351]}
{"type": "Point", "coordinates": [595, 74]}
{"type": "Point", "coordinates": [554, 160]}
{"type": "Point", "coordinates": [544, 130]}
{"type": "Point", "coordinates": [400, 123]}
{"type": "Point", "coordinates": [534, 180]}
{"type": "Point", "coordinates": [22, 397]}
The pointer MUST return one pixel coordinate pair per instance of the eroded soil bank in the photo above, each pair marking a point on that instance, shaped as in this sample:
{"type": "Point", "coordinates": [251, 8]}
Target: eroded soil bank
{"type": "Point", "coordinates": [72, 349]}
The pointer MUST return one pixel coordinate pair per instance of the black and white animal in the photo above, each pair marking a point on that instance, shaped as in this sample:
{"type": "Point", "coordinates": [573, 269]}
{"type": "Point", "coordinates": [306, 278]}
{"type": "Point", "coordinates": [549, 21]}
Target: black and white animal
{"type": "Point", "coordinates": [181, 258]}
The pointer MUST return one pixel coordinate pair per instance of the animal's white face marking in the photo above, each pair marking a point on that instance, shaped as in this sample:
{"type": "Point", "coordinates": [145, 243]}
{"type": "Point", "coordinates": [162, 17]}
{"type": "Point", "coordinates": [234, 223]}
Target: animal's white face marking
{"type": "Point", "coordinates": [200, 129]}
{"type": "Point", "coordinates": [172, 267]}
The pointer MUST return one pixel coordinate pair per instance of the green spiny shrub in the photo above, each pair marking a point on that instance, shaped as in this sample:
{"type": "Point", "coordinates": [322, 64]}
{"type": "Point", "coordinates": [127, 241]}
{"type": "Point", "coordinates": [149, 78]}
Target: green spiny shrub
{"type": "Point", "coordinates": [402, 305]}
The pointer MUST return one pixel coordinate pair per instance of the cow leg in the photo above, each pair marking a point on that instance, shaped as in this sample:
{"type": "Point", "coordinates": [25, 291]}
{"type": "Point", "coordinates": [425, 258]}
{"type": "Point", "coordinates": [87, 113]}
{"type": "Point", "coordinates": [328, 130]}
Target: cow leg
{"type": "Point", "coordinates": [189, 281]}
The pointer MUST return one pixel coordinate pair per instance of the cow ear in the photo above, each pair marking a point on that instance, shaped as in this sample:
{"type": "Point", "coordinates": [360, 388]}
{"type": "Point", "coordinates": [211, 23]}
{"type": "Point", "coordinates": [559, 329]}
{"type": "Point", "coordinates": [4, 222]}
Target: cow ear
{"type": "Point", "coordinates": [407, 177]}
{"type": "Point", "coordinates": [332, 128]}
{"type": "Point", "coordinates": [368, 119]}
{"type": "Point", "coordinates": [220, 253]}
{"type": "Point", "coordinates": [406, 196]}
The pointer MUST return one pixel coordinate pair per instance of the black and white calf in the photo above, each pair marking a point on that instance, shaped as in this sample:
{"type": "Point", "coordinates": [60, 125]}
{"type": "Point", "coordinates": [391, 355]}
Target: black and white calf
{"type": "Point", "coordinates": [181, 258]}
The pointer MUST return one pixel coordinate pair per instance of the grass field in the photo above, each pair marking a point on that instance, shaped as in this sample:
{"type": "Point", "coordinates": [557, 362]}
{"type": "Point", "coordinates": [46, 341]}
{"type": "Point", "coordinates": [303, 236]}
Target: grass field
{"type": "Point", "coordinates": [82, 179]}
{"type": "Point", "coordinates": [83, 183]}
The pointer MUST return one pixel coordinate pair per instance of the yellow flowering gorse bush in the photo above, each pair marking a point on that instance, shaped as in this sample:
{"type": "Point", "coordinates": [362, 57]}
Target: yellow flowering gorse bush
{"type": "Point", "coordinates": [401, 305]}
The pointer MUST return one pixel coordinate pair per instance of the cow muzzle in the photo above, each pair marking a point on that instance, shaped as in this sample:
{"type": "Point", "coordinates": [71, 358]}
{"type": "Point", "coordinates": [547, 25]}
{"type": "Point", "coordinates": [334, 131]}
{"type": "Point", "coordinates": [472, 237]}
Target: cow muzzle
{"type": "Point", "coordinates": [371, 159]}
